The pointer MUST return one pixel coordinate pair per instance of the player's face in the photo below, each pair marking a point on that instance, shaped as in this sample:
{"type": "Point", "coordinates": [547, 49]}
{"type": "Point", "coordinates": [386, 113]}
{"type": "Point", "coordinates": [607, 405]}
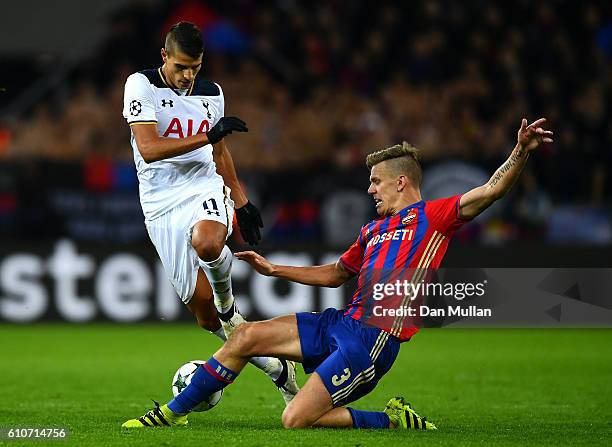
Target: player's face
{"type": "Point", "coordinates": [383, 188]}
{"type": "Point", "coordinates": [180, 69]}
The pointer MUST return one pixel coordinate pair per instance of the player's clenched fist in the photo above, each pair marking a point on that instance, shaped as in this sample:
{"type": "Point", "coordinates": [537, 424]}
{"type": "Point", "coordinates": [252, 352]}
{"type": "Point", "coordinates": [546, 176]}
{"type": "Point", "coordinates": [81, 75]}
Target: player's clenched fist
{"type": "Point", "coordinates": [257, 261]}
{"type": "Point", "coordinates": [225, 126]}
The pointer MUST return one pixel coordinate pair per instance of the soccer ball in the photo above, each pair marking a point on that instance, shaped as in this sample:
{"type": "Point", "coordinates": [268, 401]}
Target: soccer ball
{"type": "Point", "coordinates": [182, 378]}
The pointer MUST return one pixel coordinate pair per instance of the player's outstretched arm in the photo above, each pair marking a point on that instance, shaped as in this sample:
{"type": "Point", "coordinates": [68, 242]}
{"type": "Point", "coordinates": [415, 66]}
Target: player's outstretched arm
{"type": "Point", "coordinates": [152, 147]}
{"type": "Point", "coordinates": [329, 275]}
{"type": "Point", "coordinates": [479, 199]}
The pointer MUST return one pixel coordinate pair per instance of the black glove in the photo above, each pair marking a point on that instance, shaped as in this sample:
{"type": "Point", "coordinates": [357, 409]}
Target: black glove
{"type": "Point", "coordinates": [249, 222]}
{"type": "Point", "coordinates": [225, 126]}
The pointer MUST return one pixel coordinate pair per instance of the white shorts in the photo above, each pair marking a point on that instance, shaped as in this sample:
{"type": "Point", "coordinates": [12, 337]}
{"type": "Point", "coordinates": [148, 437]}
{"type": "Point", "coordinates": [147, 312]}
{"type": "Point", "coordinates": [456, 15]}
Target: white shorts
{"type": "Point", "coordinates": [171, 236]}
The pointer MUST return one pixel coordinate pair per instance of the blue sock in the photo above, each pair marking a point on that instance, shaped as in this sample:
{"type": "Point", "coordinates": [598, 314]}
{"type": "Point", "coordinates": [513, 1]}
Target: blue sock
{"type": "Point", "coordinates": [369, 419]}
{"type": "Point", "coordinates": [208, 379]}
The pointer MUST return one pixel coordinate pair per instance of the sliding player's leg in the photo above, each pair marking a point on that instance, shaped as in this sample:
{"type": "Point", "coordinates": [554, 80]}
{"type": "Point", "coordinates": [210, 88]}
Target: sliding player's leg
{"type": "Point", "coordinates": [248, 340]}
{"type": "Point", "coordinates": [313, 407]}
{"type": "Point", "coordinates": [338, 417]}
{"type": "Point", "coordinates": [319, 336]}
{"type": "Point", "coordinates": [337, 380]}
{"type": "Point", "coordinates": [277, 337]}
{"type": "Point", "coordinates": [208, 238]}
{"type": "Point", "coordinates": [398, 413]}
{"type": "Point", "coordinates": [347, 360]}
{"type": "Point", "coordinates": [202, 307]}
{"type": "Point", "coordinates": [311, 404]}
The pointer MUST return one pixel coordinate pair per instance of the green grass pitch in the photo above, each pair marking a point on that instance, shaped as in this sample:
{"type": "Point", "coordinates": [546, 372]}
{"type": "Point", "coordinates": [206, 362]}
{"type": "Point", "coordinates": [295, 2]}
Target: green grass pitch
{"type": "Point", "coordinates": [480, 386]}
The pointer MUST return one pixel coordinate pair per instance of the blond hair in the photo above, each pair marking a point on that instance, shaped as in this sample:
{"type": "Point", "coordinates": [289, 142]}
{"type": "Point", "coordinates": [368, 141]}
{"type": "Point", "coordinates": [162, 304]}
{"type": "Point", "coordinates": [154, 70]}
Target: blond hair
{"type": "Point", "coordinates": [405, 161]}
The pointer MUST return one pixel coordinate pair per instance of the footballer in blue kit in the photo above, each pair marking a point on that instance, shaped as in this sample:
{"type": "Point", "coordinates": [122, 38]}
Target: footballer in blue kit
{"type": "Point", "coordinates": [344, 353]}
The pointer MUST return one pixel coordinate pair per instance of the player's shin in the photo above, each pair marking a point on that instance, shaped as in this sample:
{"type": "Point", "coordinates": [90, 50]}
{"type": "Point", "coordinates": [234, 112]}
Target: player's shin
{"type": "Point", "coordinates": [218, 273]}
{"type": "Point", "coordinates": [369, 419]}
{"type": "Point", "coordinates": [210, 378]}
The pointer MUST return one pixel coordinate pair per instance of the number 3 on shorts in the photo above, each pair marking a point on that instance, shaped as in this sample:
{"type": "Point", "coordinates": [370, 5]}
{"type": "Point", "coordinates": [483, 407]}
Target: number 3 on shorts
{"type": "Point", "coordinates": [337, 381]}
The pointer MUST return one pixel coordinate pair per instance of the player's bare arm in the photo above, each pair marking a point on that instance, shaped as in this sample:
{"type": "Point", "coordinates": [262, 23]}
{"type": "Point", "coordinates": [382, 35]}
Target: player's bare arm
{"type": "Point", "coordinates": [152, 147]}
{"type": "Point", "coordinates": [249, 219]}
{"type": "Point", "coordinates": [530, 137]}
{"type": "Point", "coordinates": [225, 168]}
{"type": "Point", "coordinates": [329, 275]}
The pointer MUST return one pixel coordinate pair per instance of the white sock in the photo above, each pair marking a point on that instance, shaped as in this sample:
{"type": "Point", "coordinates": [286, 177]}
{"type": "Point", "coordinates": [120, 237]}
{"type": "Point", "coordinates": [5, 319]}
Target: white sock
{"type": "Point", "coordinates": [218, 274]}
{"type": "Point", "coordinates": [270, 365]}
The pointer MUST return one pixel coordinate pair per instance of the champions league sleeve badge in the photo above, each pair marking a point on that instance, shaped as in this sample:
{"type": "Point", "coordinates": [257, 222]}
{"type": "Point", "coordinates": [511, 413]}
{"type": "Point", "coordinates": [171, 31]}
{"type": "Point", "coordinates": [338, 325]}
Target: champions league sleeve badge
{"type": "Point", "coordinates": [135, 108]}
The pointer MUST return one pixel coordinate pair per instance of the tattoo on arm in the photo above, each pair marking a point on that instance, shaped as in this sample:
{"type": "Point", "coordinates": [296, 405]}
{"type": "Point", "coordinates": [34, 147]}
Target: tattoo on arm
{"type": "Point", "coordinates": [507, 166]}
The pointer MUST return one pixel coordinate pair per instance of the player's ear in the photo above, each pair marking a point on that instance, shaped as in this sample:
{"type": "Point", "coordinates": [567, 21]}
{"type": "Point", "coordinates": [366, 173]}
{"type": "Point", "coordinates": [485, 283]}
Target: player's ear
{"type": "Point", "coordinates": [402, 182]}
{"type": "Point", "coordinates": [164, 54]}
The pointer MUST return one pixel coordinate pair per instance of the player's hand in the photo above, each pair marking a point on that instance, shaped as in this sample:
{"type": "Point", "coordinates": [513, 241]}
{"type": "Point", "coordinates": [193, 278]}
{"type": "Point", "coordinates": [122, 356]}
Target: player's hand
{"type": "Point", "coordinates": [530, 137]}
{"type": "Point", "coordinates": [249, 222]}
{"type": "Point", "coordinates": [224, 127]}
{"type": "Point", "coordinates": [257, 261]}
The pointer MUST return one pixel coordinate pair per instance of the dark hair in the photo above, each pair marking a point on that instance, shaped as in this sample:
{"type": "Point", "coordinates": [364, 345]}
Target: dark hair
{"type": "Point", "coordinates": [186, 37]}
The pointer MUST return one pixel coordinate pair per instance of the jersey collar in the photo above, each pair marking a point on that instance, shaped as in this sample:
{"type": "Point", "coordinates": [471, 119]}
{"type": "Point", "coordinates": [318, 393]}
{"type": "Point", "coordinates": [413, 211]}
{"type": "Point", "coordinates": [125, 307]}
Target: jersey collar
{"type": "Point", "coordinates": [418, 204]}
{"type": "Point", "coordinates": [163, 78]}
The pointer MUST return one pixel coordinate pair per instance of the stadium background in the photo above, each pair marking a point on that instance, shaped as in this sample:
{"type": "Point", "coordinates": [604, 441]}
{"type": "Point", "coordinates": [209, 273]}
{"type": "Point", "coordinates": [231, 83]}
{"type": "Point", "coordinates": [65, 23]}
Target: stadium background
{"type": "Point", "coordinates": [319, 90]}
{"type": "Point", "coordinates": [320, 85]}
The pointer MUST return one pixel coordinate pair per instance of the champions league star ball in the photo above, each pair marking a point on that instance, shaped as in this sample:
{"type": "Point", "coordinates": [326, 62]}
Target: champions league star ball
{"type": "Point", "coordinates": [182, 378]}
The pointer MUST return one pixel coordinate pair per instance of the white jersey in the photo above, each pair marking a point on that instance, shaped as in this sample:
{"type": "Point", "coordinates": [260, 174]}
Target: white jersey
{"type": "Point", "coordinates": [167, 183]}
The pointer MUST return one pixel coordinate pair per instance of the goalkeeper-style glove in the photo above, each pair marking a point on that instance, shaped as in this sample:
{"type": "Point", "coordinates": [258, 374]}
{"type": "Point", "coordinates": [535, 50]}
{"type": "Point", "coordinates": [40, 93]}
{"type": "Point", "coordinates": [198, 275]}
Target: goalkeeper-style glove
{"type": "Point", "coordinates": [224, 127]}
{"type": "Point", "coordinates": [249, 222]}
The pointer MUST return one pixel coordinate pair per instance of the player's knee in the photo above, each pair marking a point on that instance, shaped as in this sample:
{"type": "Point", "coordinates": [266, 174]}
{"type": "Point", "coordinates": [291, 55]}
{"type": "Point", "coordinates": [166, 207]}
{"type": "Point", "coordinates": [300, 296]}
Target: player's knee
{"type": "Point", "coordinates": [292, 419]}
{"type": "Point", "coordinates": [244, 340]}
{"type": "Point", "coordinates": [208, 250]}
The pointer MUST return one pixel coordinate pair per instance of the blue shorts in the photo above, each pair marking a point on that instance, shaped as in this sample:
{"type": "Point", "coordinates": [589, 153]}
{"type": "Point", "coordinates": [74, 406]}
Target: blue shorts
{"type": "Point", "coordinates": [349, 356]}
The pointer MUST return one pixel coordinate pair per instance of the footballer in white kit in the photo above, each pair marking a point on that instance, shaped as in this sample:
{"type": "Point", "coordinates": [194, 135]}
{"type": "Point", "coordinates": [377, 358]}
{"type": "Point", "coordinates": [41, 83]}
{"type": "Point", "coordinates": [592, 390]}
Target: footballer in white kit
{"type": "Point", "coordinates": [177, 192]}
{"type": "Point", "coordinates": [188, 185]}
